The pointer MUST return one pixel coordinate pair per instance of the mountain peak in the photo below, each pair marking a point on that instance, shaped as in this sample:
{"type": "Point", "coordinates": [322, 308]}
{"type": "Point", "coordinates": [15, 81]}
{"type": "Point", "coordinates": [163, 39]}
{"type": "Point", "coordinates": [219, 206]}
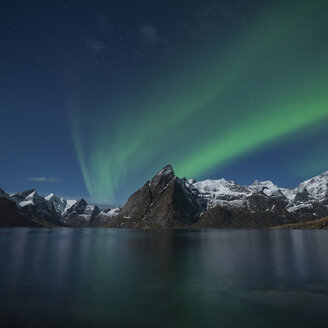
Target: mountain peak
{"type": "Point", "coordinates": [79, 203]}
{"type": "Point", "coordinates": [162, 178]}
{"type": "Point", "coordinates": [164, 201]}
{"type": "Point", "coordinates": [23, 194]}
{"type": "Point", "coordinates": [166, 170]}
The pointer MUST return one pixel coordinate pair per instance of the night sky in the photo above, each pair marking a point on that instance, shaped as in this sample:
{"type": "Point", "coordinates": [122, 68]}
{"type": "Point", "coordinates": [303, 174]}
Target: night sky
{"type": "Point", "coordinates": [96, 96]}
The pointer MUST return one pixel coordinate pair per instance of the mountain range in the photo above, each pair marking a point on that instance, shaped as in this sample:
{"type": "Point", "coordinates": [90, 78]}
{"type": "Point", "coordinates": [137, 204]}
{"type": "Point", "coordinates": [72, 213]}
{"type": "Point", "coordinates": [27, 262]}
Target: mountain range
{"type": "Point", "coordinates": [167, 201]}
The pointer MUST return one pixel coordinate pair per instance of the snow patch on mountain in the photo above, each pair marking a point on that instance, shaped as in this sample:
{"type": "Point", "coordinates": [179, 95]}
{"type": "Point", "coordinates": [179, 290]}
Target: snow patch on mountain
{"type": "Point", "coordinates": [166, 170]}
{"type": "Point", "coordinates": [221, 192]}
{"type": "Point", "coordinates": [61, 204]}
{"type": "Point", "coordinates": [69, 203]}
{"type": "Point", "coordinates": [109, 213]}
{"type": "Point", "coordinates": [31, 199]}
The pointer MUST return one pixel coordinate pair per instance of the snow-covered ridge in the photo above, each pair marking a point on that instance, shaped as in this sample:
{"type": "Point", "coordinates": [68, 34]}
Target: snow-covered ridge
{"type": "Point", "coordinates": [72, 212]}
{"type": "Point", "coordinates": [311, 194]}
{"type": "Point", "coordinates": [317, 187]}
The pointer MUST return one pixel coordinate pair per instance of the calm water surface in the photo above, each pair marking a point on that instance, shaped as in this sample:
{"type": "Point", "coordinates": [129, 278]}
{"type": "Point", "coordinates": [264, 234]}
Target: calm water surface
{"type": "Point", "coordinates": [127, 278]}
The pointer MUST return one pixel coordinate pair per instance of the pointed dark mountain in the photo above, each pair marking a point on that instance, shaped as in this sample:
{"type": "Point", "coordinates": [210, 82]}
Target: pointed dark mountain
{"type": "Point", "coordinates": [164, 201]}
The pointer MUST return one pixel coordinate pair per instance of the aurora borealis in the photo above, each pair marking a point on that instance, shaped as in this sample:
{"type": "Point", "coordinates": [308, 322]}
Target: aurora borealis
{"type": "Point", "coordinates": [229, 89]}
{"type": "Point", "coordinates": [224, 101]}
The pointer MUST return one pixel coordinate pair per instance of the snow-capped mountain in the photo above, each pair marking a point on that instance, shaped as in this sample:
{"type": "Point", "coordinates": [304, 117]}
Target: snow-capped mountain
{"type": "Point", "coordinates": [169, 201]}
{"type": "Point", "coordinates": [307, 201]}
{"type": "Point", "coordinates": [59, 211]}
{"type": "Point", "coordinates": [61, 204]}
{"type": "Point", "coordinates": [316, 188]}
{"type": "Point", "coordinates": [312, 193]}
{"type": "Point", "coordinates": [310, 199]}
{"type": "Point", "coordinates": [30, 203]}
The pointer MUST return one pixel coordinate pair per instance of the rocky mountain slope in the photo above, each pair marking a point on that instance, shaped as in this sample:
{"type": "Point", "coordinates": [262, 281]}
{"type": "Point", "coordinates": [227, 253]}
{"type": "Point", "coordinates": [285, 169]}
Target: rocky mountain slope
{"type": "Point", "coordinates": [169, 201]}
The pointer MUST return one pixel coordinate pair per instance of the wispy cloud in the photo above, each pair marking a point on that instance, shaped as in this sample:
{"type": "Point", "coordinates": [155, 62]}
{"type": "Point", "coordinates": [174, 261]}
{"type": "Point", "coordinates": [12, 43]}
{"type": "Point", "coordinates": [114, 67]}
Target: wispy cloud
{"type": "Point", "coordinates": [104, 25]}
{"type": "Point", "coordinates": [99, 43]}
{"type": "Point", "coordinates": [43, 179]}
{"type": "Point", "coordinates": [96, 45]}
{"type": "Point", "coordinates": [149, 34]}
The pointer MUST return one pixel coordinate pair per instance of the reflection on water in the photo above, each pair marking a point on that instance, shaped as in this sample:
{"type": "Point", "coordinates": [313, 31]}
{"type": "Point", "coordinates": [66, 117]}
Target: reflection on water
{"type": "Point", "coordinates": [175, 278]}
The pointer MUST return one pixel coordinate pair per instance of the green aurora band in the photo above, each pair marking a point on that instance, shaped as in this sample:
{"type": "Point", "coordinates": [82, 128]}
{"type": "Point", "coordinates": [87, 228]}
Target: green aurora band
{"type": "Point", "coordinates": [229, 104]}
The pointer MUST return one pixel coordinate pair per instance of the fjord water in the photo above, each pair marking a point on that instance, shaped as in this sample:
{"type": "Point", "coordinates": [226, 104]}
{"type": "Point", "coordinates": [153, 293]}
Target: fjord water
{"type": "Point", "coordinates": [171, 278]}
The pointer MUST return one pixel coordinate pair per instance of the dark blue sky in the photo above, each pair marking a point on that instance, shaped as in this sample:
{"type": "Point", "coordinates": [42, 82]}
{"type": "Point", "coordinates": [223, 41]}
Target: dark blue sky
{"type": "Point", "coordinates": [100, 65]}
